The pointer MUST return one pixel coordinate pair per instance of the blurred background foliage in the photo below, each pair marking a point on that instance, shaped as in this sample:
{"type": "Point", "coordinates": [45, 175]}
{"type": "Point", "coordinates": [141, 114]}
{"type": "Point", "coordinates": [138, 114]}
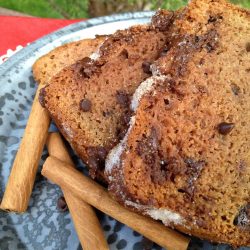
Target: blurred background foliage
{"type": "Point", "coordinates": [73, 9]}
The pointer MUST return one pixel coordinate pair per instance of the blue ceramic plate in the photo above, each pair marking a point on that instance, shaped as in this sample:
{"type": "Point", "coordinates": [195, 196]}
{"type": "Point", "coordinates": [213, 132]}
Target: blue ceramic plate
{"type": "Point", "coordinates": [43, 227]}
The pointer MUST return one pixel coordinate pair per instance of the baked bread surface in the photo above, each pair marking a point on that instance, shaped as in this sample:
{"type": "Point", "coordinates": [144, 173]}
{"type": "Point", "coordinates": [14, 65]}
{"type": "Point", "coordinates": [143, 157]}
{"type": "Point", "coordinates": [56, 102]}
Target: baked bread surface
{"type": "Point", "coordinates": [185, 159]}
{"type": "Point", "coordinates": [89, 101]}
{"type": "Point", "coordinates": [50, 64]}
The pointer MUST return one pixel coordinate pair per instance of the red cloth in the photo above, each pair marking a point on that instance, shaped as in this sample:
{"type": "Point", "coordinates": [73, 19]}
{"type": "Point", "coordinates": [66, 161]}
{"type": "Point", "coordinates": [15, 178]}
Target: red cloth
{"type": "Point", "coordinates": [22, 30]}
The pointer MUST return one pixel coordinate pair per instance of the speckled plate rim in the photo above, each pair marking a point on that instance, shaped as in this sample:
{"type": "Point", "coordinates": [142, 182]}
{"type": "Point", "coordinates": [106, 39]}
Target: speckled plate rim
{"type": "Point", "coordinates": [37, 44]}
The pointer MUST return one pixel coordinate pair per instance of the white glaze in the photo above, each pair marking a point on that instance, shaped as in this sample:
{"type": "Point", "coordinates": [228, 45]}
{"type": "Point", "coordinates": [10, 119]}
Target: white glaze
{"type": "Point", "coordinates": [94, 56]}
{"type": "Point", "coordinates": [113, 158]}
{"type": "Point", "coordinates": [144, 87]}
{"type": "Point", "coordinates": [166, 216]}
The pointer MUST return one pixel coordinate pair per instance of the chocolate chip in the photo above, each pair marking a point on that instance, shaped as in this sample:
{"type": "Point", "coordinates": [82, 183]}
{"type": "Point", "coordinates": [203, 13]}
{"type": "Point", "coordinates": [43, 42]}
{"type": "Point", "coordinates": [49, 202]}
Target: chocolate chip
{"type": "Point", "coordinates": [85, 105]}
{"type": "Point", "coordinates": [166, 101]}
{"type": "Point", "coordinates": [122, 98]}
{"type": "Point", "coordinates": [180, 190]}
{"type": "Point", "coordinates": [224, 128]}
{"type": "Point", "coordinates": [41, 97]}
{"type": "Point", "coordinates": [86, 68]}
{"type": "Point", "coordinates": [146, 67]}
{"type": "Point", "coordinates": [62, 205]}
{"type": "Point", "coordinates": [242, 220]}
{"type": "Point", "coordinates": [224, 217]}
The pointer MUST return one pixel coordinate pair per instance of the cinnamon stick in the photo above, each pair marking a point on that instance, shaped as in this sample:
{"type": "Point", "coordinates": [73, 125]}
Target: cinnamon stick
{"type": "Point", "coordinates": [94, 194]}
{"type": "Point", "coordinates": [23, 172]}
{"type": "Point", "coordinates": [86, 223]}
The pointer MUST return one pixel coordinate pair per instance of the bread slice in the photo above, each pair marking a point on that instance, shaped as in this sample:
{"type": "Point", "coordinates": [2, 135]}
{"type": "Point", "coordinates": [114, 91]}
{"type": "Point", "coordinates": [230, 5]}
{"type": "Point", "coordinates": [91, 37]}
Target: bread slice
{"type": "Point", "coordinates": [50, 64]}
{"type": "Point", "coordinates": [89, 101]}
{"type": "Point", "coordinates": [186, 157]}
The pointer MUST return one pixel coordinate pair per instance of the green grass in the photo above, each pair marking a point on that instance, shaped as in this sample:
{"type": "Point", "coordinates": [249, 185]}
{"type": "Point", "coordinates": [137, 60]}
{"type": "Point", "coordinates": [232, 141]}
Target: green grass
{"type": "Point", "coordinates": [242, 3]}
{"type": "Point", "coordinates": [78, 8]}
{"type": "Point", "coordinates": [175, 4]}
{"type": "Point", "coordinates": [48, 8]}
{"type": "Point", "coordinates": [71, 9]}
{"type": "Point", "coordinates": [39, 8]}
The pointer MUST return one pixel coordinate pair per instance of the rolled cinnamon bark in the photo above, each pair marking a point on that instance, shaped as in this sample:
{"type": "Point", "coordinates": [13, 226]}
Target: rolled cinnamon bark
{"type": "Point", "coordinates": [23, 172]}
{"type": "Point", "coordinates": [84, 188]}
{"type": "Point", "coordinates": [86, 223]}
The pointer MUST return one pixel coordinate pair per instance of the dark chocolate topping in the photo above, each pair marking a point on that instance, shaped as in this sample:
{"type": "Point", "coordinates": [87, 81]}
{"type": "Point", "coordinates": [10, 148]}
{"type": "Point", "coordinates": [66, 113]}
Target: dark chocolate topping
{"type": "Point", "coordinates": [185, 48]}
{"type": "Point", "coordinates": [162, 21]}
{"type": "Point", "coordinates": [86, 67]}
{"type": "Point", "coordinates": [194, 169]}
{"type": "Point", "coordinates": [146, 67]}
{"type": "Point", "coordinates": [97, 156]}
{"type": "Point", "coordinates": [124, 123]}
{"type": "Point", "coordinates": [162, 168]}
{"type": "Point", "coordinates": [122, 98]}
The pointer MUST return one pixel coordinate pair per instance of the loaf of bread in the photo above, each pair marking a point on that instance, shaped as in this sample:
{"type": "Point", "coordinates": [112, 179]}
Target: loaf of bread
{"type": "Point", "coordinates": [50, 64]}
{"type": "Point", "coordinates": [185, 159]}
{"type": "Point", "coordinates": [89, 101]}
